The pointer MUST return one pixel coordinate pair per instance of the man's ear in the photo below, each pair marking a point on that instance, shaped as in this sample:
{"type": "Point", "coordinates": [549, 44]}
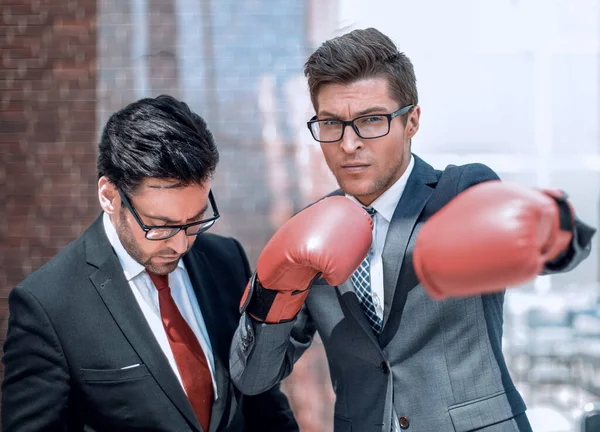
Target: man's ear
{"type": "Point", "coordinates": [108, 196]}
{"type": "Point", "coordinates": [412, 122]}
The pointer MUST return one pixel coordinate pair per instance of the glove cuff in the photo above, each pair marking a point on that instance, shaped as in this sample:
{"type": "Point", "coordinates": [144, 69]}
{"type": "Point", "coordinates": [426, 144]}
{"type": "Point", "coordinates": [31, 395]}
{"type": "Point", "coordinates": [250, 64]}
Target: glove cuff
{"type": "Point", "coordinates": [565, 212]}
{"type": "Point", "coordinates": [566, 217]}
{"type": "Point", "coordinates": [271, 306]}
{"type": "Point", "coordinates": [259, 300]}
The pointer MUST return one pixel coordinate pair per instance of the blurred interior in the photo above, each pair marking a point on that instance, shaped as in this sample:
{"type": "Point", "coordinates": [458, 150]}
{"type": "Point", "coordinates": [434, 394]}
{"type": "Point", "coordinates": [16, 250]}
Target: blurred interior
{"type": "Point", "coordinates": [510, 83]}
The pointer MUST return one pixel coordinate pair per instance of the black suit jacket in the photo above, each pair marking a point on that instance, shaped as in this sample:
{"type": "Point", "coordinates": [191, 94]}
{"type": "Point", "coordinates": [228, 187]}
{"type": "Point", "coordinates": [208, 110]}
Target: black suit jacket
{"type": "Point", "coordinates": [74, 323]}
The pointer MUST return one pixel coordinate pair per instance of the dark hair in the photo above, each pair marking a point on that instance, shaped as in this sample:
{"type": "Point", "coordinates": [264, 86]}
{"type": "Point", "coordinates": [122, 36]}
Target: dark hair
{"type": "Point", "coordinates": [156, 138]}
{"type": "Point", "coordinates": [358, 55]}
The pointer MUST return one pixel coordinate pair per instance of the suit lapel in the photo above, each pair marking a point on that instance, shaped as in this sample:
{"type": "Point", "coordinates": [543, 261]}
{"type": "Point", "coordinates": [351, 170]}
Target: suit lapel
{"type": "Point", "coordinates": [348, 296]}
{"type": "Point", "coordinates": [411, 203]}
{"type": "Point", "coordinates": [418, 190]}
{"type": "Point", "coordinates": [222, 378]}
{"type": "Point", "coordinates": [111, 284]}
{"type": "Point", "coordinates": [204, 283]}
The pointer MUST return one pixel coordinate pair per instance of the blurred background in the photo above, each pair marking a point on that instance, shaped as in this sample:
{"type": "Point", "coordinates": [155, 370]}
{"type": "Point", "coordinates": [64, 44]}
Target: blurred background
{"type": "Point", "coordinates": [514, 84]}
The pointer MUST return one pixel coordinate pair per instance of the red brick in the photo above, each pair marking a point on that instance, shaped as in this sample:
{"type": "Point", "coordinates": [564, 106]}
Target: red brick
{"type": "Point", "coordinates": [47, 132]}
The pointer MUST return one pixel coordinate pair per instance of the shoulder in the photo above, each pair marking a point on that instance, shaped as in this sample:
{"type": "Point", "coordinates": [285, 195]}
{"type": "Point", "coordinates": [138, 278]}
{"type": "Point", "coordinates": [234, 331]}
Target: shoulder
{"type": "Point", "coordinates": [226, 259]}
{"type": "Point", "coordinates": [451, 181]}
{"type": "Point", "coordinates": [469, 171]}
{"type": "Point", "coordinates": [59, 271]}
{"type": "Point", "coordinates": [465, 176]}
{"type": "Point", "coordinates": [55, 285]}
{"type": "Point", "coordinates": [216, 244]}
{"type": "Point", "coordinates": [220, 250]}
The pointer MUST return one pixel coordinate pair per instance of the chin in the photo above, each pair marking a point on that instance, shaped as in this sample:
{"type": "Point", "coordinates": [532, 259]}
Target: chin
{"type": "Point", "coordinates": [162, 268]}
{"type": "Point", "coordinates": [356, 188]}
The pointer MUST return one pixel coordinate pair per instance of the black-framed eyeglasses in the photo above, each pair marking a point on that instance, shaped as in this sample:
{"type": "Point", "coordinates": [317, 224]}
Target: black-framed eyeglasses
{"type": "Point", "coordinates": [168, 231]}
{"type": "Point", "coordinates": [367, 126]}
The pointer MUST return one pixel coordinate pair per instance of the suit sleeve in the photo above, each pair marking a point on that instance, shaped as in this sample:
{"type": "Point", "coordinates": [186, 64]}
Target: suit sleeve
{"type": "Point", "coordinates": [35, 388]}
{"type": "Point", "coordinates": [580, 246]}
{"type": "Point", "coordinates": [270, 410]}
{"type": "Point", "coordinates": [262, 354]}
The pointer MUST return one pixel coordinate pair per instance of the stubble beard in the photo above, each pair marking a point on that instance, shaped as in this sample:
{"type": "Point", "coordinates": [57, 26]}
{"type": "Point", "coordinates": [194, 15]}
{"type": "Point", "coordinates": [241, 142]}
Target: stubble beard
{"type": "Point", "coordinates": [376, 187]}
{"type": "Point", "coordinates": [133, 249]}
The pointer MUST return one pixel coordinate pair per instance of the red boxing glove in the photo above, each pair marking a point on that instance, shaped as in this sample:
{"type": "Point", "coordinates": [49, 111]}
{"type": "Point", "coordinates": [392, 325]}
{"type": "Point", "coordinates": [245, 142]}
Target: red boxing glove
{"type": "Point", "coordinates": [491, 236]}
{"type": "Point", "coordinates": [331, 237]}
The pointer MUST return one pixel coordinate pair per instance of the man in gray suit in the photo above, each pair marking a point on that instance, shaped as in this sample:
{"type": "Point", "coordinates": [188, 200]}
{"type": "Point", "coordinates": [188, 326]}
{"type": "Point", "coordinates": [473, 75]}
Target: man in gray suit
{"type": "Point", "coordinates": [399, 360]}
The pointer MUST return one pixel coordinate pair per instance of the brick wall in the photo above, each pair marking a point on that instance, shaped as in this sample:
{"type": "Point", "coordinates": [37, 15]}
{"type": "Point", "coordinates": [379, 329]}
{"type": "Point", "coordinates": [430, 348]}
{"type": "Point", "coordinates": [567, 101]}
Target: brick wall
{"type": "Point", "coordinates": [47, 132]}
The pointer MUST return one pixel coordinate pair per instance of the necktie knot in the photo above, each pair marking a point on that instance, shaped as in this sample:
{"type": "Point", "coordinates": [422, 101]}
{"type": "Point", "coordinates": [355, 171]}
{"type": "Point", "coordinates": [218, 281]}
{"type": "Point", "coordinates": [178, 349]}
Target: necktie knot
{"type": "Point", "coordinates": [160, 281]}
{"type": "Point", "coordinates": [371, 211]}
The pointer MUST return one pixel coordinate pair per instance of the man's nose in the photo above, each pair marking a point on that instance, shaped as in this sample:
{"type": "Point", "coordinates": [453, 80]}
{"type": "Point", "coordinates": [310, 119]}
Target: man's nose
{"type": "Point", "coordinates": [351, 141]}
{"type": "Point", "coordinates": [179, 242]}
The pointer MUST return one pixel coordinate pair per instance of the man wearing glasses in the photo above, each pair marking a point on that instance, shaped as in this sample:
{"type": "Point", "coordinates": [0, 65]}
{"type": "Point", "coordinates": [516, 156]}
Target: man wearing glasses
{"type": "Point", "coordinates": [129, 327]}
{"type": "Point", "coordinates": [399, 359]}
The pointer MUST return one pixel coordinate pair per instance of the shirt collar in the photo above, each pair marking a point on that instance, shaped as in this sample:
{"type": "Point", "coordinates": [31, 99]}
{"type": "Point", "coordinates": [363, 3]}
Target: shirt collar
{"type": "Point", "coordinates": [386, 203]}
{"type": "Point", "coordinates": [131, 267]}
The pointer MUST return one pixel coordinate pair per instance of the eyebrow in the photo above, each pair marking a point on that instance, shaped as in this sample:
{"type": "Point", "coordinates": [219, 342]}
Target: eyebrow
{"type": "Point", "coordinates": [369, 110]}
{"type": "Point", "coordinates": [173, 222]}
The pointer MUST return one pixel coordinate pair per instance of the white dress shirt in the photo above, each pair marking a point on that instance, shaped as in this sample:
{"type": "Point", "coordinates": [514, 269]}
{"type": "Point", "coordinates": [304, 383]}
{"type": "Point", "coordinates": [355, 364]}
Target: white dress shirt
{"type": "Point", "coordinates": [146, 295]}
{"type": "Point", "coordinates": [385, 205]}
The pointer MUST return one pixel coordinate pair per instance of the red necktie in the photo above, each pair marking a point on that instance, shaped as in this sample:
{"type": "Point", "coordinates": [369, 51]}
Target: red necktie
{"type": "Point", "coordinates": [190, 359]}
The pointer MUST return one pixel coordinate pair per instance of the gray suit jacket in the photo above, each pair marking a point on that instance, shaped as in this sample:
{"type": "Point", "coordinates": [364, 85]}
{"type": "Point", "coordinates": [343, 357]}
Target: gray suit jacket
{"type": "Point", "coordinates": [437, 364]}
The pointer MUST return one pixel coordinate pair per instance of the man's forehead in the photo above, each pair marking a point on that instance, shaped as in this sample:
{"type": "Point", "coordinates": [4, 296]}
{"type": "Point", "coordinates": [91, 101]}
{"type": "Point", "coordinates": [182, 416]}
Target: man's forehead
{"type": "Point", "coordinates": [174, 205]}
{"type": "Point", "coordinates": [187, 195]}
{"type": "Point", "coordinates": [357, 96]}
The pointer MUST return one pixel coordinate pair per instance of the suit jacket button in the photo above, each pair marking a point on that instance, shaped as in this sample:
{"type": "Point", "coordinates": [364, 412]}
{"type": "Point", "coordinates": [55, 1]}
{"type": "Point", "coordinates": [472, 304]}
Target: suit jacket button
{"type": "Point", "coordinates": [404, 423]}
{"type": "Point", "coordinates": [385, 368]}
